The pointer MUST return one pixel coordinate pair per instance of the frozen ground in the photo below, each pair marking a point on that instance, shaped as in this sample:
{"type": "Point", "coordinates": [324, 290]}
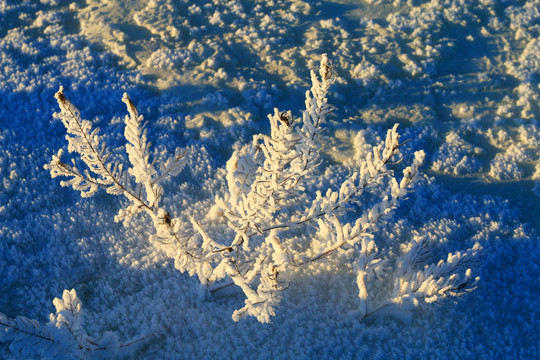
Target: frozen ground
{"type": "Point", "coordinates": [460, 76]}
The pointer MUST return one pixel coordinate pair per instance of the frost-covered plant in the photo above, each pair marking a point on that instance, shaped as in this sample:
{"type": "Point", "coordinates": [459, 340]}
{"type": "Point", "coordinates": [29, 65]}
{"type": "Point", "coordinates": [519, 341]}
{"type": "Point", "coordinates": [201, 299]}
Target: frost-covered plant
{"type": "Point", "coordinates": [273, 219]}
{"type": "Point", "coordinates": [63, 337]}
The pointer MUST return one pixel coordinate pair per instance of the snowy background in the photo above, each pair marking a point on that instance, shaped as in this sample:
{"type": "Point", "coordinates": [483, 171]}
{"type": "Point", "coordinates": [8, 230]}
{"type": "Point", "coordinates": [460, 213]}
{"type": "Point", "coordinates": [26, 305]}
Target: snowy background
{"type": "Point", "coordinates": [460, 76]}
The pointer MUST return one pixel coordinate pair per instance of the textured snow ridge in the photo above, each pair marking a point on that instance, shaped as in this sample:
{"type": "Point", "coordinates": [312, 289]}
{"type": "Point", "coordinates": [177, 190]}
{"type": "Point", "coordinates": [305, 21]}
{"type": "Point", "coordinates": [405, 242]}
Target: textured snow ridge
{"type": "Point", "coordinates": [461, 77]}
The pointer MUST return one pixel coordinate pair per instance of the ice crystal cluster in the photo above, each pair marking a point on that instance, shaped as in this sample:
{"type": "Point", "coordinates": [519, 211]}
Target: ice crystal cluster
{"type": "Point", "coordinates": [273, 220]}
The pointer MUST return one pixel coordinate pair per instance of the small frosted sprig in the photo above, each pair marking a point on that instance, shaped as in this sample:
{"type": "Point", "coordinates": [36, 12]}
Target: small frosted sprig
{"type": "Point", "coordinates": [63, 337]}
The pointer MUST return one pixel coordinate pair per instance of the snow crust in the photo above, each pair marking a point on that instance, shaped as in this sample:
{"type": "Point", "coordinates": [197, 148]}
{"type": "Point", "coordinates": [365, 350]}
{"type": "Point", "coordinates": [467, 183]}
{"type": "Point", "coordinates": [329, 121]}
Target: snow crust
{"type": "Point", "coordinates": [460, 76]}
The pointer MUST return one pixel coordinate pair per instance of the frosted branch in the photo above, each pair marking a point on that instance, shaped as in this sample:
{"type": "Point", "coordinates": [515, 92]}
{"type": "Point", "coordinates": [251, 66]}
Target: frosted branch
{"type": "Point", "coordinates": [435, 281]}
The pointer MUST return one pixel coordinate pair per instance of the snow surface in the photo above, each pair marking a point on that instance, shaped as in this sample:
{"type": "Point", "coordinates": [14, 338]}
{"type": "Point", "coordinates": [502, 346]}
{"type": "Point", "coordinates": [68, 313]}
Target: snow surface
{"type": "Point", "coordinates": [460, 76]}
